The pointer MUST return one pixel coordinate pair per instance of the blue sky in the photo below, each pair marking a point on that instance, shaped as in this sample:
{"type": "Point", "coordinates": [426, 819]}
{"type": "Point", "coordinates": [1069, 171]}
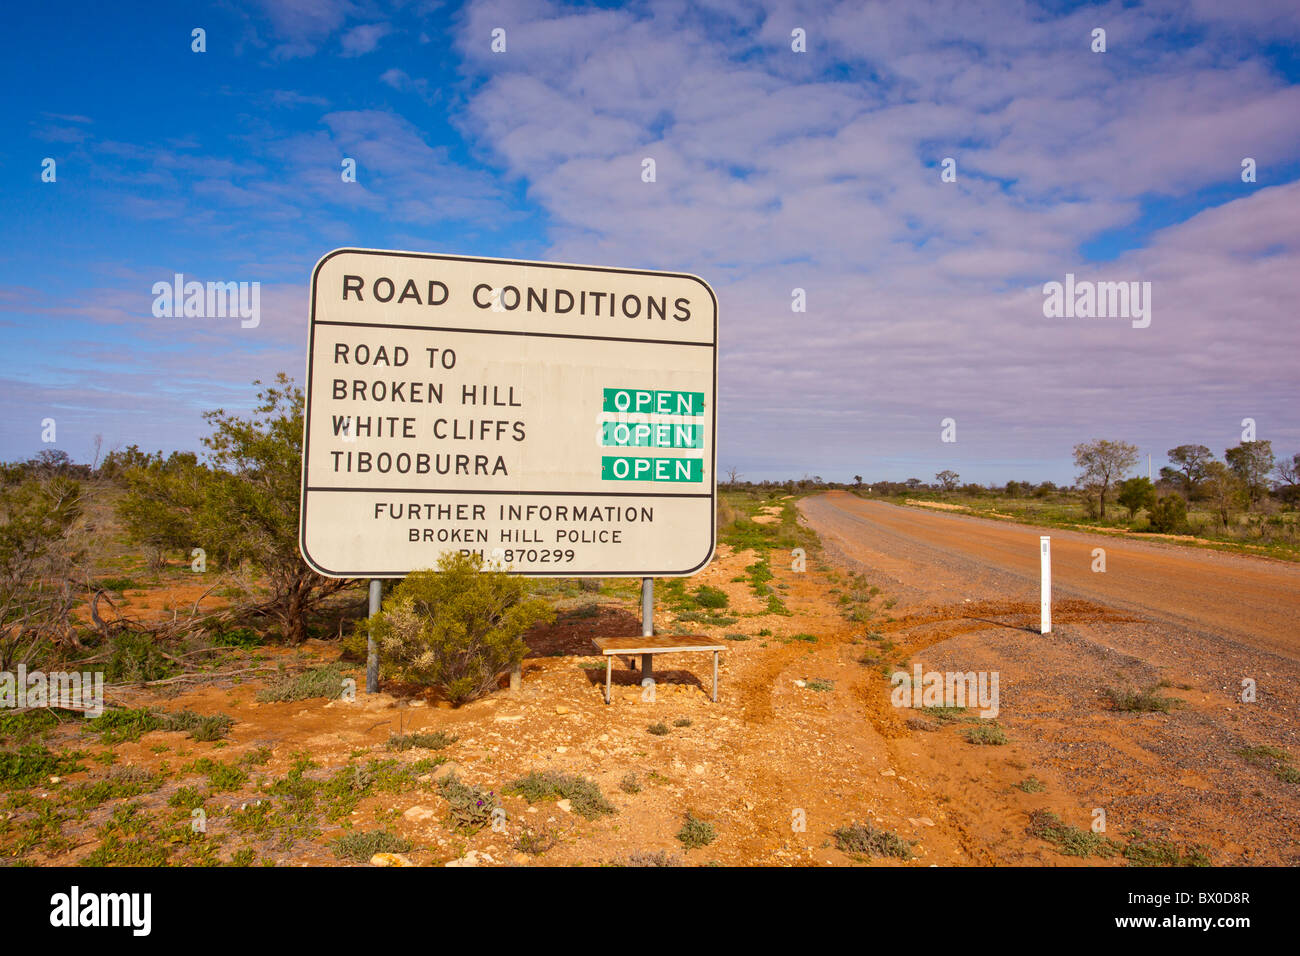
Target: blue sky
{"type": "Point", "coordinates": [776, 170]}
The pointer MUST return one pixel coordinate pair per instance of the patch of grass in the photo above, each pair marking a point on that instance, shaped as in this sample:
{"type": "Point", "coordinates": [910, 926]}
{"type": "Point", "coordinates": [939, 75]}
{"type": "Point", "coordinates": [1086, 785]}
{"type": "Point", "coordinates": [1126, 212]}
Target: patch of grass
{"type": "Point", "coordinates": [819, 685]}
{"type": "Point", "coordinates": [116, 585]}
{"type": "Point", "coordinates": [29, 724]}
{"type": "Point", "coordinates": [1148, 700]}
{"type": "Point", "coordinates": [256, 758]}
{"type": "Point", "coordinates": [201, 727]}
{"type": "Point", "coordinates": [325, 681]}
{"type": "Point", "coordinates": [534, 842]}
{"type": "Point", "coordinates": [696, 833]}
{"type": "Point", "coordinates": [187, 798]}
{"type": "Point", "coordinates": [221, 776]}
{"type": "Point", "coordinates": [947, 715]}
{"type": "Point", "coordinates": [583, 795]}
{"type": "Point", "coordinates": [436, 740]}
{"type": "Point", "coordinates": [118, 726]}
{"type": "Point", "coordinates": [711, 597]}
{"type": "Point", "coordinates": [989, 735]}
{"type": "Point", "coordinates": [653, 858]}
{"type": "Point", "coordinates": [120, 783]}
{"type": "Point", "coordinates": [1143, 851]}
{"type": "Point", "coordinates": [659, 729]}
{"type": "Point", "coordinates": [242, 638]}
{"type": "Point", "coordinates": [806, 638]}
{"type": "Point", "coordinates": [737, 637]}
{"type": "Point", "coordinates": [1069, 839]}
{"type": "Point", "coordinates": [1274, 759]}
{"type": "Point", "coordinates": [470, 806]}
{"type": "Point", "coordinates": [359, 846]}
{"type": "Point", "coordinates": [1032, 784]}
{"type": "Point", "coordinates": [129, 837]}
{"type": "Point", "coordinates": [629, 783]}
{"type": "Point", "coordinates": [863, 839]}
{"type": "Point", "coordinates": [776, 606]}
{"type": "Point", "coordinates": [31, 764]}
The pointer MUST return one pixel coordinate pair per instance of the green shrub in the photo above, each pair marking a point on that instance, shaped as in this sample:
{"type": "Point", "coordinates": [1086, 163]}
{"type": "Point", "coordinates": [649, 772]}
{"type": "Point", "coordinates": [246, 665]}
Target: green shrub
{"type": "Point", "coordinates": [534, 842]}
{"type": "Point", "coordinates": [1169, 514]}
{"type": "Point", "coordinates": [116, 726]}
{"type": "Point", "coordinates": [655, 858]}
{"type": "Point", "coordinates": [120, 783]}
{"type": "Point", "coordinates": [325, 681]}
{"type": "Point", "coordinates": [31, 723]}
{"type": "Point", "coordinates": [360, 846]}
{"type": "Point", "coordinates": [659, 729]}
{"type": "Point", "coordinates": [986, 734]}
{"type": "Point", "coordinates": [186, 798]}
{"type": "Point", "coordinates": [583, 795]}
{"type": "Point", "coordinates": [1069, 839]}
{"type": "Point", "coordinates": [629, 783]}
{"type": "Point", "coordinates": [470, 807]}
{"type": "Point", "coordinates": [135, 658]}
{"type": "Point", "coordinates": [220, 776]}
{"type": "Point", "coordinates": [711, 597]}
{"type": "Point", "coordinates": [696, 832]}
{"type": "Point", "coordinates": [1141, 701]}
{"type": "Point", "coordinates": [31, 764]}
{"type": "Point", "coordinates": [458, 628]}
{"type": "Point", "coordinates": [240, 637]}
{"type": "Point", "coordinates": [866, 840]}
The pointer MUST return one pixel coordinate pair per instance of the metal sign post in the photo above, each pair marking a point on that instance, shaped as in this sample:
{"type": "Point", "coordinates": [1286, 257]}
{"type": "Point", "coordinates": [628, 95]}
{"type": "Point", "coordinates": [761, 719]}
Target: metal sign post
{"type": "Point", "coordinates": [647, 624]}
{"type": "Point", "coordinates": [372, 652]}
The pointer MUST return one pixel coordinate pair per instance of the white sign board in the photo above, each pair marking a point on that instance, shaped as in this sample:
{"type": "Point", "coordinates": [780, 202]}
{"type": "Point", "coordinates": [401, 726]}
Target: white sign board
{"type": "Point", "coordinates": [558, 419]}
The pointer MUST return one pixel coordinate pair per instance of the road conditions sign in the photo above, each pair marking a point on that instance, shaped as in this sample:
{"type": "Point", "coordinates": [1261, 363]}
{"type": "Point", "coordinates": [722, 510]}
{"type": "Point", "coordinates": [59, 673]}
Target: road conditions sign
{"type": "Point", "coordinates": [560, 420]}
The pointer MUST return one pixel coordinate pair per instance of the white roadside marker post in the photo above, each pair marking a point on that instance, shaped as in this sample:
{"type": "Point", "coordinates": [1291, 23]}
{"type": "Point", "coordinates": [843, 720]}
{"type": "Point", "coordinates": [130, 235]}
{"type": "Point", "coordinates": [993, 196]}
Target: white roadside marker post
{"type": "Point", "coordinates": [1045, 605]}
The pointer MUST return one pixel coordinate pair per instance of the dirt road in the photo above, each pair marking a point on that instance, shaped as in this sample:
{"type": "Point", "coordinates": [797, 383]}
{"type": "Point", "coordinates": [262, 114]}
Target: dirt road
{"type": "Point", "coordinates": [1251, 600]}
{"type": "Point", "coordinates": [1217, 633]}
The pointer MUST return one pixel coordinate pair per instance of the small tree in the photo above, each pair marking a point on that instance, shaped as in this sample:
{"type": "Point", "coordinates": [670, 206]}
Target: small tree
{"type": "Point", "coordinates": [1223, 490]}
{"type": "Point", "coordinates": [457, 628]}
{"type": "Point", "coordinates": [1251, 462]}
{"type": "Point", "coordinates": [1189, 463]}
{"type": "Point", "coordinates": [1136, 494]}
{"type": "Point", "coordinates": [241, 507]}
{"type": "Point", "coordinates": [1103, 463]}
{"type": "Point", "coordinates": [37, 564]}
{"type": "Point", "coordinates": [1288, 473]}
{"type": "Point", "coordinates": [948, 478]}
